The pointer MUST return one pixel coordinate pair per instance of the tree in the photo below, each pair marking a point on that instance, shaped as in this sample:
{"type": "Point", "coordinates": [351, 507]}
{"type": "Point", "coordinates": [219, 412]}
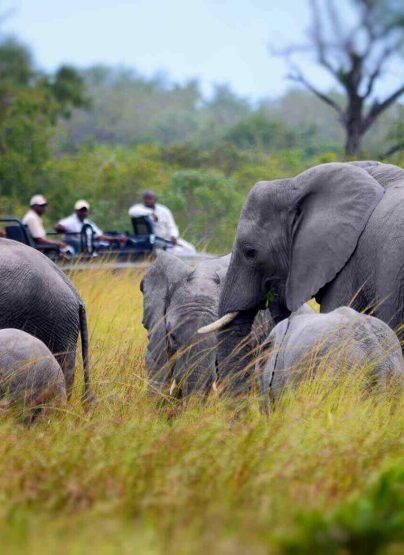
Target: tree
{"type": "Point", "coordinates": [30, 105]}
{"type": "Point", "coordinates": [259, 132]}
{"type": "Point", "coordinates": [68, 89]}
{"type": "Point", "coordinates": [195, 194]}
{"type": "Point", "coordinates": [356, 57]}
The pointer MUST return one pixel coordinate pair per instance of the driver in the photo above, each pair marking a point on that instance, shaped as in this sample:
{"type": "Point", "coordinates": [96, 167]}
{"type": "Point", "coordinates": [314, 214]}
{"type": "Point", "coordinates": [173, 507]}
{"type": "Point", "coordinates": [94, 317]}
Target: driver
{"type": "Point", "coordinates": [74, 223]}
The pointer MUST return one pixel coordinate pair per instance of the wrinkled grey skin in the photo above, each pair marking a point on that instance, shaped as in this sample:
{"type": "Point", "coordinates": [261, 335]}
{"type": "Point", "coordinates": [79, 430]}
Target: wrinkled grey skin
{"type": "Point", "coordinates": [30, 376]}
{"type": "Point", "coordinates": [37, 297]}
{"type": "Point", "coordinates": [178, 299]}
{"type": "Point", "coordinates": [341, 339]}
{"type": "Point", "coordinates": [334, 232]}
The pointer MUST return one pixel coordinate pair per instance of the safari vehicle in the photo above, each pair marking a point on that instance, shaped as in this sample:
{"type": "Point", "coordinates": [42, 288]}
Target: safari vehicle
{"type": "Point", "coordinates": [141, 244]}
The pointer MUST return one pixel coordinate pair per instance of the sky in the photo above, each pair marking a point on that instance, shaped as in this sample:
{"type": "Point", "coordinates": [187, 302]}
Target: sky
{"type": "Point", "coordinates": [216, 41]}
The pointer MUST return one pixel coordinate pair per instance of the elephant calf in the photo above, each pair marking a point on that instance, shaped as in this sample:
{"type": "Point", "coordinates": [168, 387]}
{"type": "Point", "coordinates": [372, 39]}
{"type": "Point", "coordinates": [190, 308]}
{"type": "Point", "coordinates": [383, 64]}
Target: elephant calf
{"type": "Point", "coordinates": [341, 339]}
{"type": "Point", "coordinates": [177, 300]}
{"type": "Point", "coordinates": [30, 376]}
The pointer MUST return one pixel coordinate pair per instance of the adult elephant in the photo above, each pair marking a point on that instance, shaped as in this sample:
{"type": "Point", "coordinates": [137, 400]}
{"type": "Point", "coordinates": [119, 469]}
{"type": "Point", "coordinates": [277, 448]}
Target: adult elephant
{"type": "Point", "coordinates": [37, 297]}
{"type": "Point", "coordinates": [333, 232]}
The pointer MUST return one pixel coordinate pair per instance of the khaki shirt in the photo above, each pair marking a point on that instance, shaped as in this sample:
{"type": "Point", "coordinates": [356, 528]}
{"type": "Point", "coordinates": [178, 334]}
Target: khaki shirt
{"type": "Point", "coordinates": [34, 224]}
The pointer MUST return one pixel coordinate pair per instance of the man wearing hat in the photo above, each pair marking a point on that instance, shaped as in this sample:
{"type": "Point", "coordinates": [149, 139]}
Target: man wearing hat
{"type": "Point", "coordinates": [75, 222]}
{"type": "Point", "coordinates": [33, 220]}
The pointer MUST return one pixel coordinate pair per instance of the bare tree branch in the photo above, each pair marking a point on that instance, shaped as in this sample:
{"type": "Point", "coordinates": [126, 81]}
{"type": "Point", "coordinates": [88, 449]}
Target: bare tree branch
{"type": "Point", "coordinates": [375, 74]}
{"type": "Point", "coordinates": [319, 41]}
{"type": "Point", "coordinates": [299, 78]}
{"type": "Point", "coordinates": [379, 107]}
{"type": "Point", "coordinates": [396, 148]}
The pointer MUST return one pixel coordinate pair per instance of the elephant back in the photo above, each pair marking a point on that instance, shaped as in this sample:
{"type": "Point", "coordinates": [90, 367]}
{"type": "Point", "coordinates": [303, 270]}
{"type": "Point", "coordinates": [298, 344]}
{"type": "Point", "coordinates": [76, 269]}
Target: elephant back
{"type": "Point", "coordinates": [35, 296]}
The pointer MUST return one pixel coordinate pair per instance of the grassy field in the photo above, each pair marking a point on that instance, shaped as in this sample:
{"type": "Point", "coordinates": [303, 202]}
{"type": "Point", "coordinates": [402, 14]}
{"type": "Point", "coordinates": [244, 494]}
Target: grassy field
{"type": "Point", "coordinates": [323, 474]}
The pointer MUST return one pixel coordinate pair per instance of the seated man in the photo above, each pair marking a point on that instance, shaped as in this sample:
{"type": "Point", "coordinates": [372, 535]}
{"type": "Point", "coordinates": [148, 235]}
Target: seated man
{"type": "Point", "coordinates": [164, 223]}
{"type": "Point", "coordinates": [75, 222]}
{"type": "Point", "coordinates": [33, 220]}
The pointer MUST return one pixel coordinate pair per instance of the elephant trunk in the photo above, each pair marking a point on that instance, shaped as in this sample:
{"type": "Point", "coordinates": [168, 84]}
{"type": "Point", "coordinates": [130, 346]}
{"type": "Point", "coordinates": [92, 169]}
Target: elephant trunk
{"type": "Point", "coordinates": [236, 354]}
{"type": "Point", "coordinates": [195, 369]}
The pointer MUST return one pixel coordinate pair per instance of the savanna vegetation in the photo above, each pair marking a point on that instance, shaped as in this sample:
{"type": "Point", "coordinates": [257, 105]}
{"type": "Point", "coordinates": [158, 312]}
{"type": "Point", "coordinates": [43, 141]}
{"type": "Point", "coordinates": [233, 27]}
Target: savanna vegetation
{"type": "Point", "coordinates": [136, 474]}
{"type": "Point", "coordinates": [322, 474]}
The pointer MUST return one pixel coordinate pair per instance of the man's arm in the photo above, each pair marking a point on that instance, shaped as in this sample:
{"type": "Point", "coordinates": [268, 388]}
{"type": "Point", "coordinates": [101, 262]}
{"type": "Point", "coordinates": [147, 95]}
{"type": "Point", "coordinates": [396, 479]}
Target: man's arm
{"type": "Point", "coordinates": [138, 210]}
{"type": "Point", "coordinates": [39, 234]}
{"type": "Point", "coordinates": [60, 228]}
{"type": "Point", "coordinates": [46, 242]}
{"type": "Point", "coordinates": [100, 235]}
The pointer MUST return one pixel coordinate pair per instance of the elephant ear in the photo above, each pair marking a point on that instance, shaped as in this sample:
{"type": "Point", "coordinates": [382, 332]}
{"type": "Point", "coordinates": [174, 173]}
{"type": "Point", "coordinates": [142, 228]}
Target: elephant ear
{"type": "Point", "coordinates": [218, 267]}
{"type": "Point", "coordinates": [166, 271]}
{"type": "Point", "coordinates": [388, 175]}
{"type": "Point", "coordinates": [333, 203]}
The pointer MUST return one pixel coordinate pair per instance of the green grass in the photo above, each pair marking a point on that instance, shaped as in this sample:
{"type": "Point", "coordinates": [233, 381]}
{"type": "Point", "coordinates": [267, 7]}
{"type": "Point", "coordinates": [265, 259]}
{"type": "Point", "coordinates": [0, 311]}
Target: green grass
{"type": "Point", "coordinates": [323, 474]}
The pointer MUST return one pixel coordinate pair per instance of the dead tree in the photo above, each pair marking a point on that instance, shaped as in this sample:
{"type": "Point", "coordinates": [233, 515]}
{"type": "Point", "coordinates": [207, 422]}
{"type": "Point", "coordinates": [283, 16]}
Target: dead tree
{"type": "Point", "coordinates": [356, 57]}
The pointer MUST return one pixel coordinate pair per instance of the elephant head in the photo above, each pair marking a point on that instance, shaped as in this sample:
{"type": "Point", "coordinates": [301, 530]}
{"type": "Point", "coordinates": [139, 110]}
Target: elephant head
{"type": "Point", "coordinates": [178, 299]}
{"type": "Point", "coordinates": [294, 236]}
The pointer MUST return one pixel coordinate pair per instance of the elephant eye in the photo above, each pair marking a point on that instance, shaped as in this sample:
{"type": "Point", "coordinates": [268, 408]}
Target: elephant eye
{"type": "Point", "coordinates": [250, 253]}
{"type": "Point", "coordinates": [173, 340]}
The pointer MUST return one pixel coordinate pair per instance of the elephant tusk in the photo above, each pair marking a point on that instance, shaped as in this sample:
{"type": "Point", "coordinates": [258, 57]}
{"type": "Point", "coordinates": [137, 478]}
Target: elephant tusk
{"type": "Point", "coordinates": [173, 386]}
{"type": "Point", "coordinates": [214, 387]}
{"type": "Point", "coordinates": [218, 324]}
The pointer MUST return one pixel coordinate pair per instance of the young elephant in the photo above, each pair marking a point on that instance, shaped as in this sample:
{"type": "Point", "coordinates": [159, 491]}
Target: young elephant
{"type": "Point", "coordinates": [29, 374]}
{"type": "Point", "coordinates": [341, 339]}
{"type": "Point", "coordinates": [177, 300]}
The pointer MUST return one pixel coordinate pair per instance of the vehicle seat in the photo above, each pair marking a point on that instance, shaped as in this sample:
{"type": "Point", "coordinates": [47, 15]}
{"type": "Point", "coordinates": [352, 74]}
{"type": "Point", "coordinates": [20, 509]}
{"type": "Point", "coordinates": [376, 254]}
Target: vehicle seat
{"type": "Point", "coordinates": [142, 225]}
{"type": "Point", "coordinates": [17, 231]}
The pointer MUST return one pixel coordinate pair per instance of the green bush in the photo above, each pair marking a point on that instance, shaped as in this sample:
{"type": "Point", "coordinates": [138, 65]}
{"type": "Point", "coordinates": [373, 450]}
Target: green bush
{"type": "Point", "coordinates": [365, 525]}
{"type": "Point", "coordinates": [207, 206]}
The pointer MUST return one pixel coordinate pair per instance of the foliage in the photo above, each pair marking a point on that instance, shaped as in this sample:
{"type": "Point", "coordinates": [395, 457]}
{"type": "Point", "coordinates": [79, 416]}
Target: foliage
{"type": "Point", "coordinates": [24, 143]}
{"type": "Point", "coordinates": [259, 132]}
{"type": "Point", "coordinates": [130, 109]}
{"type": "Point", "coordinates": [207, 206]}
{"type": "Point", "coordinates": [364, 524]}
{"type": "Point", "coordinates": [68, 90]}
{"type": "Point", "coordinates": [30, 105]}
{"type": "Point", "coordinates": [16, 64]}
{"type": "Point", "coordinates": [132, 475]}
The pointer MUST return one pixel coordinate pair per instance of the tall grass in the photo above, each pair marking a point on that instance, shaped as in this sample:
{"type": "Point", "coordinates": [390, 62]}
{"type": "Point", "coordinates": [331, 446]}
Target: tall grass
{"type": "Point", "coordinates": [322, 474]}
